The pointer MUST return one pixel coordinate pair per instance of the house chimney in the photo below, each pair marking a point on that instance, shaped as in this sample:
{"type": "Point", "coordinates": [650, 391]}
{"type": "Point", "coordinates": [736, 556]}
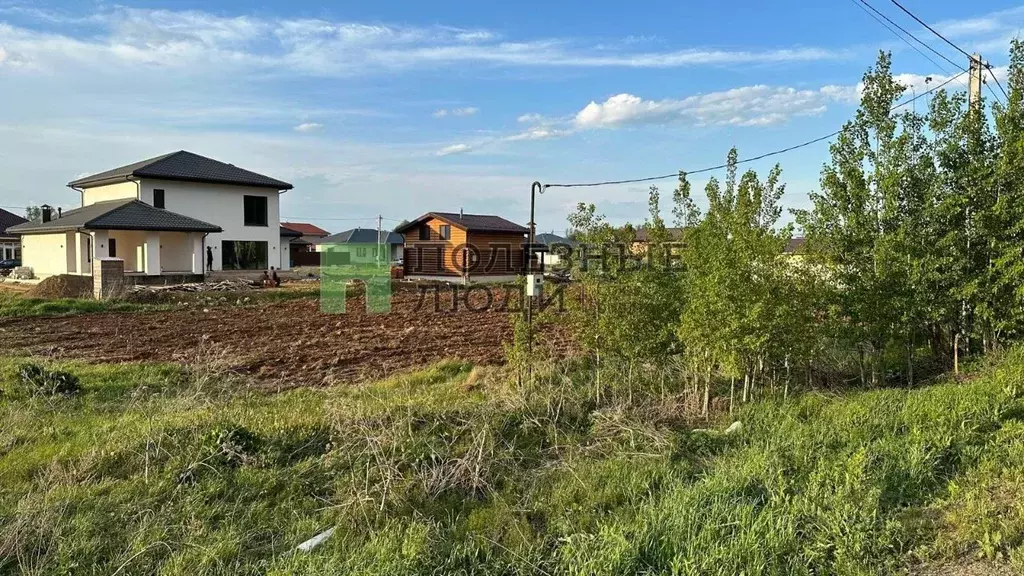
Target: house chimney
{"type": "Point", "coordinates": [58, 211]}
{"type": "Point", "coordinates": [460, 213]}
{"type": "Point", "coordinates": [45, 210]}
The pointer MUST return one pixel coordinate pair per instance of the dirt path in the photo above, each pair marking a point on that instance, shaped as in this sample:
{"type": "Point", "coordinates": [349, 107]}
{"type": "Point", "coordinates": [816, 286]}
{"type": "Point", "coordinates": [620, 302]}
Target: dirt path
{"type": "Point", "coordinates": [292, 342]}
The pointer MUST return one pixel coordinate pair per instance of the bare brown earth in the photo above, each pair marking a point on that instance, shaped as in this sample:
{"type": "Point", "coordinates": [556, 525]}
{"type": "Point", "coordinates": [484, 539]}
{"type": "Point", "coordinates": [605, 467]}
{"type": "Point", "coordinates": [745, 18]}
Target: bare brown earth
{"type": "Point", "coordinates": [289, 343]}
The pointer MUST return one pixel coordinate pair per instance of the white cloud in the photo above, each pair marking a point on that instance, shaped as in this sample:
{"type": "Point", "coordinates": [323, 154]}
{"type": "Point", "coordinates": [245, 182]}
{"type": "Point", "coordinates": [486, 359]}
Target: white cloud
{"type": "Point", "coordinates": [133, 37]}
{"type": "Point", "coordinates": [539, 133]}
{"type": "Point", "coordinates": [468, 111]}
{"type": "Point", "coordinates": [530, 119]}
{"type": "Point", "coordinates": [3, 55]}
{"type": "Point", "coordinates": [981, 25]}
{"type": "Point", "coordinates": [309, 127]}
{"type": "Point", "coordinates": [454, 149]}
{"type": "Point", "coordinates": [747, 106]}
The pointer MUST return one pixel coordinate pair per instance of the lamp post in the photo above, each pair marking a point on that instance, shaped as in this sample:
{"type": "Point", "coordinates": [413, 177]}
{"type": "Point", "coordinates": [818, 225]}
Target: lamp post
{"type": "Point", "coordinates": [530, 281]}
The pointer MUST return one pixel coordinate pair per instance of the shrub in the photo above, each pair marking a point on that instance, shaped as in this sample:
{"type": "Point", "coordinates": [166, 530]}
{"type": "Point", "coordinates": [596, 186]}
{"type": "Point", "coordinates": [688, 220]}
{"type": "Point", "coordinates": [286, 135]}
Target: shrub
{"type": "Point", "coordinates": [40, 381]}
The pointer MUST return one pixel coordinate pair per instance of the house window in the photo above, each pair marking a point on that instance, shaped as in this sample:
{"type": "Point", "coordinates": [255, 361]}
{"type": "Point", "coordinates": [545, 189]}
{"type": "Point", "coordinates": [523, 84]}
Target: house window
{"type": "Point", "coordinates": [112, 243]}
{"type": "Point", "coordinates": [244, 255]}
{"type": "Point", "coordinates": [424, 232]}
{"type": "Point", "coordinates": [158, 198]}
{"type": "Point", "coordinates": [255, 210]}
{"type": "Point", "coordinates": [361, 252]}
{"type": "Point", "coordinates": [446, 232]}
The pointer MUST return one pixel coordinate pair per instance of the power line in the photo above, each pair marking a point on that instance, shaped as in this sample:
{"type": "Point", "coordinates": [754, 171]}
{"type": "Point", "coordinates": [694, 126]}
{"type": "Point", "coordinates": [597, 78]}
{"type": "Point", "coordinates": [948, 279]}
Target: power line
{"type": "Point", "coordinates": [905, 31]}
{"type": "Point", "coordinates": [993, 74]}
{"type": "Point", "coordinates": [957, 48]}
{"type": "Point", "coordinates": [933, 30]}
{"type": "Point", "coordinates": [745, 160]}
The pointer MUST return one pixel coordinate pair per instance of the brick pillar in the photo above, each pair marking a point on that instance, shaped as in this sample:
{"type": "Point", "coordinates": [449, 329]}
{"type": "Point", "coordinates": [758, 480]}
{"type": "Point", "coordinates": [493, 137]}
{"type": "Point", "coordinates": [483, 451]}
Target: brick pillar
{"type": "Point", "coordinates": [107, 277]}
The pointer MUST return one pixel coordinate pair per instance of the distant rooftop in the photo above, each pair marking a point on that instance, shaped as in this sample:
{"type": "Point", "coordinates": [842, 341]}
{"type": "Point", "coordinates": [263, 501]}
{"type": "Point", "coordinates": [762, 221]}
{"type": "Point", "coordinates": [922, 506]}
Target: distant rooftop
{"type": "Point", "coordinates": [468, 222]}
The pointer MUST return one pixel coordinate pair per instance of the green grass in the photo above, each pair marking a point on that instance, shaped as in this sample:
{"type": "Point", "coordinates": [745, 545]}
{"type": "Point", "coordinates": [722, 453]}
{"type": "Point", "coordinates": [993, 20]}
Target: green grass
{"type": "Point", "coordinates": [14, 305]}
{"type": "Point", "coordinates": [158, 468]}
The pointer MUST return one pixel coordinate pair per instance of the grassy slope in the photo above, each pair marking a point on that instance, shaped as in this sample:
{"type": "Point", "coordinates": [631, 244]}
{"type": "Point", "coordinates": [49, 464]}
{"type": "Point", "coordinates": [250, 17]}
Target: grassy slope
{"type": "Point", "coordinates": [14, 305]}
{"type": "Point", "coordinates": [157, 469]}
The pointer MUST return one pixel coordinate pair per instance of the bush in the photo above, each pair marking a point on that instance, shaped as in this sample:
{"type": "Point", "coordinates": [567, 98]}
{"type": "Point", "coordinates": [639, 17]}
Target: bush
{"type": "Point", "coordinates": [40, 381]}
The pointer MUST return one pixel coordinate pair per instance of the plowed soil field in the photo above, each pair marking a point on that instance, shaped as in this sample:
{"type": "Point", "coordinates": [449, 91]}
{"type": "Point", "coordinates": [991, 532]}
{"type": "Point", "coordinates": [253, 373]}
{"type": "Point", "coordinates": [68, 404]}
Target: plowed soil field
{"type": "Point", "coordinates": [289, 343]}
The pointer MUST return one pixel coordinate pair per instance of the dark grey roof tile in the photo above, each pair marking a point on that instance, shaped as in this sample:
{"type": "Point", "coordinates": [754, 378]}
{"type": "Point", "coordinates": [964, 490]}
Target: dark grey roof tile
{"type": "Point", "coordinates": [184, 166]}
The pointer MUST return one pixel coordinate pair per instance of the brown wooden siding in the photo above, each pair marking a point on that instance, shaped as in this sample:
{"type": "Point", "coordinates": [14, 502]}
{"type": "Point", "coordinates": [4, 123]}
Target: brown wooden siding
{"type": "Point", "coordinates": [421, 256]}
{"type": "Point", "coordinates": [500, 254]}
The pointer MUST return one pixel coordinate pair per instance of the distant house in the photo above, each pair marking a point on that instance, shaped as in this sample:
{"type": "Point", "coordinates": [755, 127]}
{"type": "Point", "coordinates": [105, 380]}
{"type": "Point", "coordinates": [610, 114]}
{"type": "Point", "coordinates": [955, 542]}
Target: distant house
{"type": "Point", "coordinates": [552, 249]}
{"type": "Point", "coordinates": [10, 244]}
{"type": "Point", "coordinates": [364, 244]}
{"type": "Point", "coordinates": [463, 247]}
{"type": "Point", "coordinates": [795, 246]}
{"type": "Point", "coordinates": [160, 216]}
{"type": "Point", "coordinates": [302, 240]}
{"type": "Point", "coordinates": [642, 237]}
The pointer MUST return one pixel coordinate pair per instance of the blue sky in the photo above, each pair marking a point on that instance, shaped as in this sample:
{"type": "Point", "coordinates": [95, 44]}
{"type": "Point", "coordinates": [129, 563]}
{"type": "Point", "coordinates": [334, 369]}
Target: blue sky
{"type": "Point", "coordinates": [397, 108]}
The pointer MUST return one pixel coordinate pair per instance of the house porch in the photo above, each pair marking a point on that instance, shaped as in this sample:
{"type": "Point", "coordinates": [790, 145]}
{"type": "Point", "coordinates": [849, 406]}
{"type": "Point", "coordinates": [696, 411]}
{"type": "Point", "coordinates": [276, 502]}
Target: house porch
{"type": "Point", "coordinates": [146, 253]}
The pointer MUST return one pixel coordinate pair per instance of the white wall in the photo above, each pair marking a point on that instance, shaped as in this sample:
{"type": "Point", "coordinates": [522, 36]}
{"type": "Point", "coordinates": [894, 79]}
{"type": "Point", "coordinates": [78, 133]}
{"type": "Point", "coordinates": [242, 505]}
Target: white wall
{"type": "Point", "coordinates": [109, 192]}
{"type": "Point", "coordinates": [176, 251]}
{"type": "Point", "coordinates": [222, 205]}
{"type": "Point", "coordinates": [130, 247]}
{"type": "Point", "coordinates": [285, 249]}
{"type": "Point", "coordinates": [46, 254]}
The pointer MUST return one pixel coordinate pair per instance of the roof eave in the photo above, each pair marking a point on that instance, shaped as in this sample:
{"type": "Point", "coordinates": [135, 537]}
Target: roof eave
{"type": "Point", "coordinates": [94, 182]}
{"type": "Point", "coordinates": [278, 186]}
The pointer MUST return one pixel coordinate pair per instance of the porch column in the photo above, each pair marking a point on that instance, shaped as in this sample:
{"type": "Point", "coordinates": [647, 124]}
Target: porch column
{"type": "Point", "coordinates": [71, 251]}
{"type": "Point", "coordinates": [99, 245]}
{"type": "Point", "coordinates": [197, 253]}
{"type": "Point", "coordinates": [152, 254]}
{"type": "Point", "coordinates": [80, 248]}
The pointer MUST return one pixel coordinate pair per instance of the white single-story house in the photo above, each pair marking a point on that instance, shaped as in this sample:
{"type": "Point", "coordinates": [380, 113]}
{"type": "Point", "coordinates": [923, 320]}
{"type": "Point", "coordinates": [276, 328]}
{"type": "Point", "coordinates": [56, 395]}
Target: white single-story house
{"type": "Point", "coordinates": [169, 215]}
{"type": "Point", "coordinates": [552, 248]}
{"type": "Point", "coordinates": [364, 244]}
{"type": "Point", "coordinates": [10, 244]}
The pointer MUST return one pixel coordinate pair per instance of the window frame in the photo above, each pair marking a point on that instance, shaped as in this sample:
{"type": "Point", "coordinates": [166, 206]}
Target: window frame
{"type": "Point", "coordinates": [424, 232]}
{"type": "Point", "coordinates": [229, 257]}
{"type": "Point", "coordinates": [264, 220]}
{"type": "Point", "coordinates": [162, 195]}
{"type": "Point", "coordinates": [444, 231]}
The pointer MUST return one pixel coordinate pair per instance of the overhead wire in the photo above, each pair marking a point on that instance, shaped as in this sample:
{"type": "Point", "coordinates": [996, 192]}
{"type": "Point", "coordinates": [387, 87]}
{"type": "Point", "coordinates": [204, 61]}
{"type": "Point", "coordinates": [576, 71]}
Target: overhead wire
{"type": "Point", "coordinates": [861, 3]}
{"type": "Point", "coordinates": [957, 48]}
{"type": "Point", "coordinates": [932, 30]}
{"type": "Point", "coordinates": [745, 160]}
{"type": "Point", "coordinates": [993, 74]}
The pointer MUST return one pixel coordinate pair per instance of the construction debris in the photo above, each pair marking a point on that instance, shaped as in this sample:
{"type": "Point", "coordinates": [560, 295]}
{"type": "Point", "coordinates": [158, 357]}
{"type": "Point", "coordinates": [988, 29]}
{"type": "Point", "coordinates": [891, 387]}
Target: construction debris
{"type": "Point", "coordinates": [219, 286]}
{"type": "Point", "coordinates": [315, 541]}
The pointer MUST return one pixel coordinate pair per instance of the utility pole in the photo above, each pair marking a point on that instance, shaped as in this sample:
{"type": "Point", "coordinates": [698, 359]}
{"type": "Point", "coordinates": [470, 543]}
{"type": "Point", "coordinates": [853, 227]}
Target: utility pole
{"type": "Point", "coordinates": [976, 79]}
{"type": "Point", "coordinates": [380, 255]}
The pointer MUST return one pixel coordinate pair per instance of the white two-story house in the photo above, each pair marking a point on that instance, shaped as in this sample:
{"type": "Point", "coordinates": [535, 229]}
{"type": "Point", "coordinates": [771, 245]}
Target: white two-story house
{"type": "Point", "coordinates": [176, 214]}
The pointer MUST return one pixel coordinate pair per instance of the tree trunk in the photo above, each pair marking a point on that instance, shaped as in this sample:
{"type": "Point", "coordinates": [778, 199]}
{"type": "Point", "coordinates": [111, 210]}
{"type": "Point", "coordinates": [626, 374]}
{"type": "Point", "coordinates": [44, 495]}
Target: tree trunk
{"type": "Point", "coordinates": [863, 378]}
{"type": "Point", "coordinates": [746, 386]}
{"type": "Point", "coordinates": [706, 404]}
{"type": "Point", "coordinates": [910, 362]}
{"type": "Point", "coordinates": [732, 392]}
{"type": "Point", "coordinates": [956, 354]}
